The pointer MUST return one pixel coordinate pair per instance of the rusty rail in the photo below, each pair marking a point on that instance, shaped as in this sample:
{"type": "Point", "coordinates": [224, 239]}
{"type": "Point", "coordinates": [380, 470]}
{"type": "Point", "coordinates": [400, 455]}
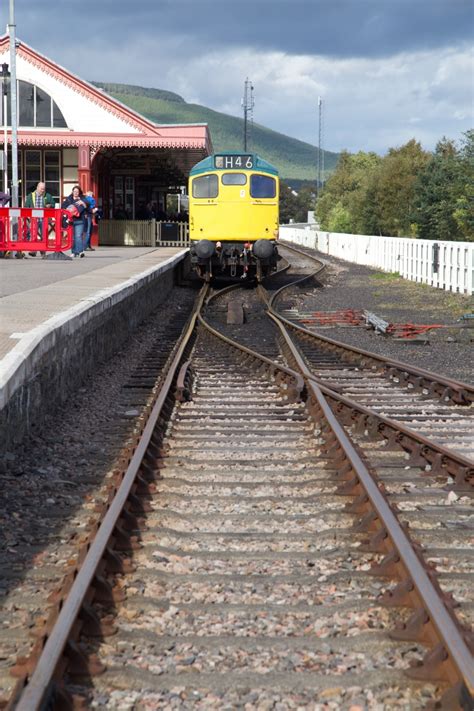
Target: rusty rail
{"type": "Point", "coordinates": [37, 686]}
{"type": "Point", "coordinates": [55, 638]}
{"type": "Point", "coordinates": [450, 659]}
{"type": "Point", "coordinates": [418, 446]}
{"type": "Point", "coordinates": [459, 392]}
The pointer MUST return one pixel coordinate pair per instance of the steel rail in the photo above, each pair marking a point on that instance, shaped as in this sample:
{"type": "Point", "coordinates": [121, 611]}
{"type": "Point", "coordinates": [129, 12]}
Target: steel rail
{"type": "Point", "coordinates": [38, 685]}
{"type": "Point", "coordinates": [465, 390]}
{"type": "Point", "coordinates": [301, 280]}
{"type": "Point", "coordinates": [299, 381]}
{"type": "Point", "coordinates": [427, 445]}
{"type": "Point", "coordinates": [448, 631]}
{"type": "Point", "coordinates": [33, 695]}
{"type": "Point", "coordinates": [220, 292]}
{"type": "Point", "coordinates": [384, 421]}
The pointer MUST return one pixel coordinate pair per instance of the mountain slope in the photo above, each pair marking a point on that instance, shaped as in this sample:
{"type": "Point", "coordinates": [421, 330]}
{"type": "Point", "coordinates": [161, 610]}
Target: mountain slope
{"type": "Point", "coordinates": [293, 158]}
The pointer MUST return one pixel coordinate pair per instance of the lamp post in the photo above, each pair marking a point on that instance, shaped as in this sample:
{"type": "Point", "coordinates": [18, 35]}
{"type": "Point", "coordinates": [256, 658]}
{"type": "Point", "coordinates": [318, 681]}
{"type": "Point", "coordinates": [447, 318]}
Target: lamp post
{"type": "Point", "coordinates": [11, 33]}
{"type": "Point", "coordinates": [5, 75]}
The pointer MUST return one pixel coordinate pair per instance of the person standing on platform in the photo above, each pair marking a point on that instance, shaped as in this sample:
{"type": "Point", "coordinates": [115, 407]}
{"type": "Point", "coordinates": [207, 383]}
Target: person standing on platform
{"type": "Point", "coordinates": [76, 204]}
{"type": "Point", "coordinates": [91, 211]}
{"type": "Point", "coordinates": [39, 198]}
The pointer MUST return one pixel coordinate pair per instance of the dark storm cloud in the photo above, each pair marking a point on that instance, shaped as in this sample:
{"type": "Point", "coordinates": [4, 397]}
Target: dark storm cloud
{"type": "Point", "coordinates": [334, 28]}
{"type": "Point", "coordinates": [337, 28]}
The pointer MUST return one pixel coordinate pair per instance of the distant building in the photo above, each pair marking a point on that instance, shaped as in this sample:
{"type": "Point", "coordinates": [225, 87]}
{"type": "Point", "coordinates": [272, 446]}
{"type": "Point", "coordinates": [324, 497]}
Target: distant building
{"type": "Point", "coordinates": [71, 132]}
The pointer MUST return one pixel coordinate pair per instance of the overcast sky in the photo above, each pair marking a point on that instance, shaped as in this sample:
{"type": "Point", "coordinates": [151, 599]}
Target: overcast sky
{"type": "Point", "coordinates": [387, 70]}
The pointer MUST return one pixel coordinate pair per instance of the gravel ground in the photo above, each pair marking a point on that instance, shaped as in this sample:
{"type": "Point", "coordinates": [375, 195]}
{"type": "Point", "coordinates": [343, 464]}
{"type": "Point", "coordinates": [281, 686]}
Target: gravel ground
{"type": "Point", "coordinates": [51, 483]}
{"type": "Point", "coordinates": [245, 596]}
{"type": "Point", "coordinates": [447, 351]}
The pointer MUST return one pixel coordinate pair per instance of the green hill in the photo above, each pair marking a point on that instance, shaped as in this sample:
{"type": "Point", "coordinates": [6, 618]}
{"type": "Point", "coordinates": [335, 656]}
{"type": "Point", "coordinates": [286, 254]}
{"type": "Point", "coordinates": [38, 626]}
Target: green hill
{"type": "Point", "coordinates": [294, 159]}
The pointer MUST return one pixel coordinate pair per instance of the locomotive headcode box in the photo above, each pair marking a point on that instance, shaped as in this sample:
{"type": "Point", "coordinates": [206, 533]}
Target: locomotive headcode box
{"type": "Point", "coordinates": [233, 162]}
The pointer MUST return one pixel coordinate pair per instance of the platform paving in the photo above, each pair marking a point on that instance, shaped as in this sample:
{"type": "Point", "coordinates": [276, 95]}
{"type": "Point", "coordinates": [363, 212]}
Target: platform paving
{"type": "Point", "coordinates": [33, 290]}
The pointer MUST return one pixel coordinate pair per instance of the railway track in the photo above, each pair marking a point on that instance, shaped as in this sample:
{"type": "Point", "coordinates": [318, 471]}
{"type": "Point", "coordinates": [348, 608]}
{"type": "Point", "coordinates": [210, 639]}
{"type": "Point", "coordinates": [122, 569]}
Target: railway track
{"type": "Point", "coordinates": [250, 552]}
{"type": "Point", "coordinates": [439, 408]}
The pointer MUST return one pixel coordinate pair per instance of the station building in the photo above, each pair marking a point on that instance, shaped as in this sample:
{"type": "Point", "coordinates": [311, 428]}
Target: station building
{"type": "Point", "coordinates": [70, 132]}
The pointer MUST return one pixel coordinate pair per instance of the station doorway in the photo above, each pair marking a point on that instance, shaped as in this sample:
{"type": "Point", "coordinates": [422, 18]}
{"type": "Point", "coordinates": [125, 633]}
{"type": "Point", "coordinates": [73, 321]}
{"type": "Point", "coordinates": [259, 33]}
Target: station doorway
{"type": "Point", "coordinates": [136, 184]}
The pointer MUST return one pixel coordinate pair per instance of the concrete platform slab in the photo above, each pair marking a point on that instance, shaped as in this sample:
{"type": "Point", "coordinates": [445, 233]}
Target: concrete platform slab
{"type": "Point", "coordinates": [34, 290]}
{"type": "Point", "coordinates": [50, 308]}
{"type": "Point", "coordinates": [19, 275]}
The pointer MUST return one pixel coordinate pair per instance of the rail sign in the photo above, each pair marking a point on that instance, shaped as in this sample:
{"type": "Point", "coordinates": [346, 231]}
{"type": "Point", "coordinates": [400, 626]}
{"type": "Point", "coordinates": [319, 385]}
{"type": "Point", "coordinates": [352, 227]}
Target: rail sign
{"type": "Point", "coordinates": [237, 162]}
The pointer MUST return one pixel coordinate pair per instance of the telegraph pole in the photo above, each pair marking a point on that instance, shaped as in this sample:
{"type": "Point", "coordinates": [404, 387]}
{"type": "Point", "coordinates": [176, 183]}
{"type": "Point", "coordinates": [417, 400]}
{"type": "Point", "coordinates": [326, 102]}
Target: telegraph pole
{"type": "Point", "coordinates": [248, 104]}
{"type": "Point", "coordinates": [11, 34]}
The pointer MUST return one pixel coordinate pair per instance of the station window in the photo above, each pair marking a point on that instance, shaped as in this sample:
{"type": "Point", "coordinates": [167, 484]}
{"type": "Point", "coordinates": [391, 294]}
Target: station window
{"type": "Point", "coordinates": [261, 186]}
{"type": "Point", "coordinates": [234, 179]}
{"type": "Point", "coordinates": [205, 187]}
{"type": "Point", "coordinates": [33, 170]}
{"type": "Point", "coordinates": [36, 108]}
{"type": "Point", "coordinates": [52, 174]}
{"type": "Point", "coordinates": [38, 165]}
{"type": "Point", "coordinates": [118, 193]}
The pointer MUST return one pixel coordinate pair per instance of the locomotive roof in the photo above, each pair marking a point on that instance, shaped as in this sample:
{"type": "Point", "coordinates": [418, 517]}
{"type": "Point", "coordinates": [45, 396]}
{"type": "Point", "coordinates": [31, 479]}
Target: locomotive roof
{"type": "Point", "coordinates": [208, 164]}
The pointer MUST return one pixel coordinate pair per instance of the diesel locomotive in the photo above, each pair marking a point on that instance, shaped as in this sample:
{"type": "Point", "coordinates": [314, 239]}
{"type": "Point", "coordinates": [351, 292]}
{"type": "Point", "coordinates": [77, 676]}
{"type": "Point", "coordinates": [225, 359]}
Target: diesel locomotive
{"type": "Point", "coordinates": [233, 216]}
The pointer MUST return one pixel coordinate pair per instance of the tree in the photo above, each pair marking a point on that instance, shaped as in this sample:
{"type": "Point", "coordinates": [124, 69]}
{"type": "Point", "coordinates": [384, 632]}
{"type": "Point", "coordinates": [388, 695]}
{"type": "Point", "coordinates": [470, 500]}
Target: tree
{"type": "Point", "coordinates": [436, 189]}
{"type": "Point", "coordinates": [444, 203]}
{"type": "Point", "coordinates": [343, 199]}
{"type": "Point", "coordinates": [288, 203]}
{"type": "Point", "coordinates": [339, 219]}
{"type": "Point", "coordinates": [295, 205]}
{"type": "Point", "coordinates": [407, 192]}
{"type": "Point", "coordinates": [395, 188]}
{"type": "Point", "coordinates": [464, 209]}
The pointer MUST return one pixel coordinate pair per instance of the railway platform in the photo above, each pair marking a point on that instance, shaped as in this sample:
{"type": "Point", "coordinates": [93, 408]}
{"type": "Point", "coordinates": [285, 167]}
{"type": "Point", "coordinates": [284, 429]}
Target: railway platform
{"type": "Point", "coordinates": [58, 317]}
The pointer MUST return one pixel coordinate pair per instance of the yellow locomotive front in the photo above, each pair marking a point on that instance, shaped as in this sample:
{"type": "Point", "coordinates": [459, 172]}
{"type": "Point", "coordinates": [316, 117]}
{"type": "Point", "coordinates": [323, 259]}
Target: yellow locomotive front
{"type": "Point", "coordinates": [233, 216]}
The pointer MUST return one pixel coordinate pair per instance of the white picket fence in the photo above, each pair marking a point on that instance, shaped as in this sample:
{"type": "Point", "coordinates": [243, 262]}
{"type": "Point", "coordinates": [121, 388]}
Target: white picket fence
{"type": "Point", "coordinates": [445, 265]}
{"type": "Point", "coordinates": [143, 233]}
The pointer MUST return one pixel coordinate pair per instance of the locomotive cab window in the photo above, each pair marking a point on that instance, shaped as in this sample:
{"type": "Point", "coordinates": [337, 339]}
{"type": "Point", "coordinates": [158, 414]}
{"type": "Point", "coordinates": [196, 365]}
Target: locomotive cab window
{"type": "Point", "coordinates": [205, 187]}
{"type": "Point", "coordinates": [261, 186]}
{"type": "Point", "coordinates": [234, 179]}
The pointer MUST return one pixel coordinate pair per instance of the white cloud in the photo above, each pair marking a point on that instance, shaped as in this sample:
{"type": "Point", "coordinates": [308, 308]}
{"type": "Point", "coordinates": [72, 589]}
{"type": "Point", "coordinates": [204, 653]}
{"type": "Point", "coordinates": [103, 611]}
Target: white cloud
{"type": "Point", "coordinates": [369, 103]}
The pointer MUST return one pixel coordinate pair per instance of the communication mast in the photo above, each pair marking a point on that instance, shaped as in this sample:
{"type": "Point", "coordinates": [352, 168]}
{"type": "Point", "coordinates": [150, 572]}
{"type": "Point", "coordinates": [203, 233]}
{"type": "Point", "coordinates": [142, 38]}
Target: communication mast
{"type": "Point", "coordinates": [247, 104]}
{"type": "Point", "coordinates": [320, 177]}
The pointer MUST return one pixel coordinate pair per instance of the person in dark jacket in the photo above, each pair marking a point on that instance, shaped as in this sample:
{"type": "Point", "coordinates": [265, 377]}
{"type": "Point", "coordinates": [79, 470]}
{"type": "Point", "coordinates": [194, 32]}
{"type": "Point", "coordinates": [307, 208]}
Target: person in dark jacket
{"type": "Point", "coordinates": [92, 211]}
{"type": "Point", "coordinates": [78, 216]}
{"type": "Point", "coordinates": [39, 197]}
